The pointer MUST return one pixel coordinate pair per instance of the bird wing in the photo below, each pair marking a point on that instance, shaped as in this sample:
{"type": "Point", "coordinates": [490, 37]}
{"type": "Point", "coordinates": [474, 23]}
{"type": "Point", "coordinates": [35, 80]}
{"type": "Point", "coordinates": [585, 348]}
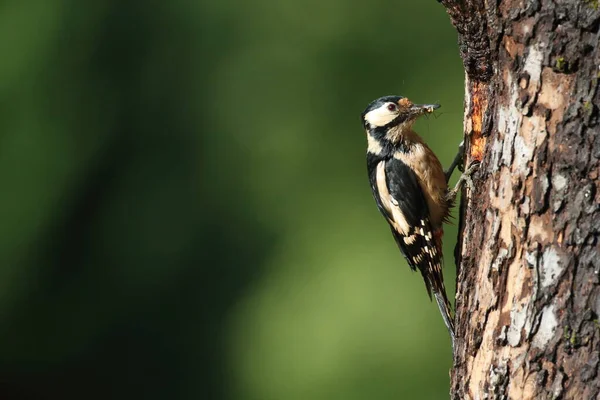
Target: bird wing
{"type": "Point", "coordinates": [400, 198]}
{"type": "Point", "coordinates": [402, 202]}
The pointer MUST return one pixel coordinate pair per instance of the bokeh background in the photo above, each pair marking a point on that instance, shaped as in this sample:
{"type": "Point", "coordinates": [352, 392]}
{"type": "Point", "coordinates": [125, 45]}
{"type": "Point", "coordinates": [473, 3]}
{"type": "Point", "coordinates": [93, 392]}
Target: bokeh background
{"type": "Point", "coordinates": [185, 212]}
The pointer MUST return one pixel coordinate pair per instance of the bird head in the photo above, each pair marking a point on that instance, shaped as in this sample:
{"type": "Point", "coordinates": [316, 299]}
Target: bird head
{"type": "Point", "coordinates": [391, 111]}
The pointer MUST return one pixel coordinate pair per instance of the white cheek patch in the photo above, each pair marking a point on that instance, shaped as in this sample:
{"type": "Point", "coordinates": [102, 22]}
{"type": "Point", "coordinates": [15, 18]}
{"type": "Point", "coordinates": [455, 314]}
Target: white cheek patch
{"type": "Point", "coordinates": [380, 116]}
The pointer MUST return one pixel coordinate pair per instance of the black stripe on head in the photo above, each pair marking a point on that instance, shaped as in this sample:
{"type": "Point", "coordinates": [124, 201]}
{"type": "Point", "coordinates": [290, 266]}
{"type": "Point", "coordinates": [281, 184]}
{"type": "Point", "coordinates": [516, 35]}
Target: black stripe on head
{"type": "Point", "coordinates": [379, 102]}
{"type": "Point", "coordinates": [396, 121]}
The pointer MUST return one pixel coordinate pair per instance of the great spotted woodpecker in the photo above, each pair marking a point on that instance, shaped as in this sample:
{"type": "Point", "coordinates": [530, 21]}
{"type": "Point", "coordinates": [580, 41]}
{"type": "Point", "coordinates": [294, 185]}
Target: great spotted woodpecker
{"type": "Point", "coordinates": [411, 189]}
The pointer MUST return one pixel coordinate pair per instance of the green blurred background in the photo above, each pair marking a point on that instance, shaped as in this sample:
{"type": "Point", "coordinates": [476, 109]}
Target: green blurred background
{"type": "Point", "coordinates": [185, 212]}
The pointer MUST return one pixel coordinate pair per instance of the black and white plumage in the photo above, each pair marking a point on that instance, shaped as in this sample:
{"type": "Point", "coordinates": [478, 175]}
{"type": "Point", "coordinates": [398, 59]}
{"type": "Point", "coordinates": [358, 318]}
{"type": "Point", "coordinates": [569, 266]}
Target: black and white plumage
{"type": "Point", "coordinates": [410, 189]}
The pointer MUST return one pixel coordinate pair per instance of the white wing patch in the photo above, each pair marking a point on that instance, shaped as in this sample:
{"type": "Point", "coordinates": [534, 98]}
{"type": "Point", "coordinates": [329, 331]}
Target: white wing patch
{"type": "Point", "coordinates": [390, 204]}
{"type": "Point", "coordinates": [427, 252]}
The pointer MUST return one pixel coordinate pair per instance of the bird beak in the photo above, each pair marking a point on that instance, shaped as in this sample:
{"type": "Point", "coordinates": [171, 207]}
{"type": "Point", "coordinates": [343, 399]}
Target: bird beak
{"type": "Point", "coordinates": [420, 109]}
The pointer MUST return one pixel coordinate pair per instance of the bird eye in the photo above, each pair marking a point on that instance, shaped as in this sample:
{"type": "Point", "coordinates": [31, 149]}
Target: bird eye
{"type": "Point", "coordinates": [392, 107]}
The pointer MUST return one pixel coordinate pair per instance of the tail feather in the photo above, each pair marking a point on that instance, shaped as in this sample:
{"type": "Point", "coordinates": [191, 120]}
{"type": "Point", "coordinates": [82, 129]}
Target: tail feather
{"type": "Point", "coordinates": [422, 248]}
{"type": "Point", "coordinates": [435, 285]}
{"type": "Point", "coordinates": [445, 309]}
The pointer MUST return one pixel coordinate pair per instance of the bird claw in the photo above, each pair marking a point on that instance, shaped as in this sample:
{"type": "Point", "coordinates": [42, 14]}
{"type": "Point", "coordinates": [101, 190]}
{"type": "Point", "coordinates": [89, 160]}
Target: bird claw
{"type": "Point", "coordinates": [465, 180]}
{"type": "Point", "coordinates": [467, 176]}
{"type": "Point", "coordinates": [457, 162]}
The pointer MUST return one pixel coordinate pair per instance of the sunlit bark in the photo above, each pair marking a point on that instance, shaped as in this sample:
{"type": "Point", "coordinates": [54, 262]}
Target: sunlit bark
{"type": "Point", "coordinates": [528, 294]}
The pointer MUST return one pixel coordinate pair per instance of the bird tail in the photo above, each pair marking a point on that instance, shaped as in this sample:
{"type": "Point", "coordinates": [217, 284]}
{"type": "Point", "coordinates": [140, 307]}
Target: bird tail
{"type": "Point", "coordinates": [445, 309]}
{"type": "Point", "coordinates": [435, 285]}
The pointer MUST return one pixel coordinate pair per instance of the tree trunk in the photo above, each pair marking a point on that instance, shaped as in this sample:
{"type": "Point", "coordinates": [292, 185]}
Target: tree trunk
{"type": "Point", "coordinates": [528, 256]}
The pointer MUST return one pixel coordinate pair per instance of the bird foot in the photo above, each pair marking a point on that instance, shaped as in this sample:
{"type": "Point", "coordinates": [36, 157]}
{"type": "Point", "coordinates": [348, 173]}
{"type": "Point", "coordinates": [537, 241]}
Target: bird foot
{"type": "Point", "coordinates": [457, 162]}
{"type": "Point", "coordinates": [465, 180]}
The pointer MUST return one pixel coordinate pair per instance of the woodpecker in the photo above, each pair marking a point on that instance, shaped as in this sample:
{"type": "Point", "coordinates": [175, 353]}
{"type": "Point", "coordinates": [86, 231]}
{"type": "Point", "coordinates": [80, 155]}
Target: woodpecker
{"type": "Point", "coordinates": [410, 189]}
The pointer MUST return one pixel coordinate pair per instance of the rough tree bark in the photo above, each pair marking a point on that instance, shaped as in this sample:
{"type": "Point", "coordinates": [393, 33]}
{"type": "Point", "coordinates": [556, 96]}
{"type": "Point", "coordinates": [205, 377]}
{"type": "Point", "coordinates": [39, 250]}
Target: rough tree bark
{"type": "Point", "coordinates": [528, 286]}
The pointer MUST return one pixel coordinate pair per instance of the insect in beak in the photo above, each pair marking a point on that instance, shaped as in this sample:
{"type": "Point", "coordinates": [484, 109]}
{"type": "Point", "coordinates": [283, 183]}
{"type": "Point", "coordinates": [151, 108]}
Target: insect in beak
{"type": "Point", "coordinates": [420, 109]}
